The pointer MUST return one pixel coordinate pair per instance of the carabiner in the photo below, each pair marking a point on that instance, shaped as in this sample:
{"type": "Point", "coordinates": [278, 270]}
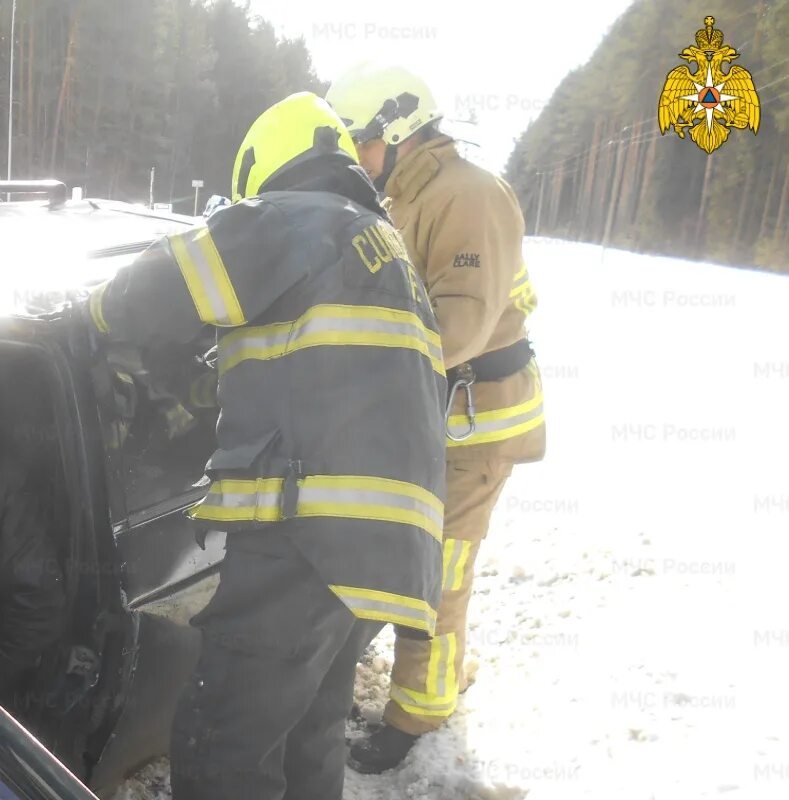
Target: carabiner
{"type": "Point", "coordinates": [471, 411]}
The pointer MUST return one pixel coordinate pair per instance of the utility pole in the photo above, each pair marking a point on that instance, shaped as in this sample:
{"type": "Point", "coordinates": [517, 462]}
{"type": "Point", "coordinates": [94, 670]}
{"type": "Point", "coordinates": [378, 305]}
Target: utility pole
{"type": "Point", "coordinates": [539, 206]}
{"type": "Point", "coordinates": [616, 185]}
{"type": "Point", "coordinates": [11, 93]}
{"type": "Point", "coordinates": [760, 15]}
{"type": "Point", "coordinates": [197, 185]}
{"type": "Point", "coordinates": [150, 194]}
{"type": "Point", "coordinates": [701, 218]}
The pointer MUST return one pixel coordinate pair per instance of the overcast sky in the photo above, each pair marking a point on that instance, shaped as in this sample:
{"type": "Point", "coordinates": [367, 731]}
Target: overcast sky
{"type": "Point", "coordinates": [503, 58]}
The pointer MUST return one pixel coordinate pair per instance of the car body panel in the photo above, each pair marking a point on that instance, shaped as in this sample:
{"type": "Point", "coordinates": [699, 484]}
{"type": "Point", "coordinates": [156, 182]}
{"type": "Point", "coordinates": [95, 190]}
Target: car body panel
{"type": "Point", "coordinates": [28, 771]}
{"type": "Point", "coordinates": [144, 571]}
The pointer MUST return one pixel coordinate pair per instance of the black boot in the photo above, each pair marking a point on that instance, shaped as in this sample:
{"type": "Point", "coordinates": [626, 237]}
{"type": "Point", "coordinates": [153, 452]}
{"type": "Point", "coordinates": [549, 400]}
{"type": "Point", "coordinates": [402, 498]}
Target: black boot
{"type": "Point", "coordinates": [383, 750]}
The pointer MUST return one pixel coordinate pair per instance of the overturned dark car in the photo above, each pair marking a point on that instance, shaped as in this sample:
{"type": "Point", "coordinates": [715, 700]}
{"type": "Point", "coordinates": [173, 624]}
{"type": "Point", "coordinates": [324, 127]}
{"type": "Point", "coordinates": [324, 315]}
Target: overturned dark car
{"type": "Point", "coordinates": [116, 442]}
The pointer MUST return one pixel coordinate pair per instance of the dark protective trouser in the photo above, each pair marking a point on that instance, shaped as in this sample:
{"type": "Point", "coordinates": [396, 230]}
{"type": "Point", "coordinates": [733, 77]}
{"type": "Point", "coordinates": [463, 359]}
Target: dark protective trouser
{"type": "Point", "coordinates": [263, 717]}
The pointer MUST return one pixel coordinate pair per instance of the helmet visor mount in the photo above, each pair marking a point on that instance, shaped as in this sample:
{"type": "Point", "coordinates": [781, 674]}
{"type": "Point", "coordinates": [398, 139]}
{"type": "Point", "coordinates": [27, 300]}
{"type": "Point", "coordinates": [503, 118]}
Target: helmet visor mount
{"type": "Point", "coordinates": [391, 110]}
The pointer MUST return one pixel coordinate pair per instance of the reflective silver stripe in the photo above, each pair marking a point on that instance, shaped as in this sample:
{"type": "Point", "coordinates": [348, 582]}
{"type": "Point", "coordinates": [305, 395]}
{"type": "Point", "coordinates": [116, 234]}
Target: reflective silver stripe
{"type": "Point", "coordinates": [218, 499]}
{"type": "Point", "coordinates": [352, 497]}
{"type": "Point", "coordinates": [309, 494]}
{"type": "Point", "coordinates": [279, 339]}
{"type": "Point", "coordinates": [259, 341]}
{"type": "Point", "coordinates": [442, 644]}
{"type": "Point", "coordinates": [206, 278]}
{"type": "Point", "coordinates": [250, 339]}
{"type": "Point", "coordinates": [320, 324]}
{"type": "Point", "coordinates": [495, 425]}
{"type": "Point", "coordinates": [400, 695]}
{"type": "Point", "coordinates": [383, 608]}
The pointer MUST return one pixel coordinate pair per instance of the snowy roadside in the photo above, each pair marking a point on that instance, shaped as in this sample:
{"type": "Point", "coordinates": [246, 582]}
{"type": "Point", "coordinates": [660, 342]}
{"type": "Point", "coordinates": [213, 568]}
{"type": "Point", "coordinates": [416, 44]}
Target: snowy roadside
{"type": "Point", "coordinates": [628, 626]}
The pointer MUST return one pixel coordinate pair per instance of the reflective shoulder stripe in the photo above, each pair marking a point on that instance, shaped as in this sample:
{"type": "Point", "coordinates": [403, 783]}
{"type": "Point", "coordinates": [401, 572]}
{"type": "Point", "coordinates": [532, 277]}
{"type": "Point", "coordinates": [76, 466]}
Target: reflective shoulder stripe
{"type": "Point", "coordinates": [501, 424]}
{"type": "Point", "coordinates": [326, 325]}
{"type": "Point", "coordinates": [347, 496]}
{"type": "Point", "coordinates": [96, 310]}
{"type": "Point", "coordinates": [387, 607]}
{"type": "Point", "coordinates": [206, 278]}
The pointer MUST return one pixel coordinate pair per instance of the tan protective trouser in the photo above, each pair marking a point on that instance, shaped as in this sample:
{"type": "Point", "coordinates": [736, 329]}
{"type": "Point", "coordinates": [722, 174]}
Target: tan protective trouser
{"type": "Point", "coordinates": [428, 675]}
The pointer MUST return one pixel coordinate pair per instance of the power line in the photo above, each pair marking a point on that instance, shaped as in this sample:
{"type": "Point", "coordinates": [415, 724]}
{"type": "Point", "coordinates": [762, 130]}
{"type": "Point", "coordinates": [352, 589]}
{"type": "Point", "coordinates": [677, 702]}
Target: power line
{"type": "Point", "coordinates": [592, 148]}
{"type": "Point", "coordinates": [642, 138]}
{"type": "Point", "coordinates": [773, 99]}
{"type": "Point", "coordinates": [777, 80]}
{"type": "Point", "coordinates": [635, 138]}
{"type": "Point", "coordinates": [552, 168]}
{"type": "Point", "coordinates": [770, 66]}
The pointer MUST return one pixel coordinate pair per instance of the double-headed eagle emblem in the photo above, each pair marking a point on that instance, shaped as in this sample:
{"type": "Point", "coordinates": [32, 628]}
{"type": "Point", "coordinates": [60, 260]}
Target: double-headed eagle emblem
{"type": "Point", "coordinates": [711, 101]}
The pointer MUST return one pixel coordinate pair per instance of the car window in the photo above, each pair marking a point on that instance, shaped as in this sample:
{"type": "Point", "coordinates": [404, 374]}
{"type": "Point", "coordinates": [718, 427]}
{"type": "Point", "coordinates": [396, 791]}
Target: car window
{"type": "Point", "coordinates": [161, 428]}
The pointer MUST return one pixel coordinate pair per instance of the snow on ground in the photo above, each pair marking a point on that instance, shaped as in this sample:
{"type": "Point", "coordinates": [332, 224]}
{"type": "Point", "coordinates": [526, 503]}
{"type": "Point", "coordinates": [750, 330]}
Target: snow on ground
{"type": "Point", "coordinates": [629, 626]}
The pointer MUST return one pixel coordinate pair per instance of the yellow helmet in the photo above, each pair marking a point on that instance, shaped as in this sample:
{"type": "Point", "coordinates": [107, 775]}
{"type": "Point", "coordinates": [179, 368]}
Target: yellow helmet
{"type": "Point", "coordinates": [382, 102]}
{"type": "Point", "coordinates": [298, 128]}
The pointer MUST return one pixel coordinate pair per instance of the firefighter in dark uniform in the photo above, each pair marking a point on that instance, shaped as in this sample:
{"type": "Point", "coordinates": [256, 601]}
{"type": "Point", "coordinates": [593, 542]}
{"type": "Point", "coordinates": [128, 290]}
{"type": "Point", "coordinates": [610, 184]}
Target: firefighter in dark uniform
{"type": "Point", "coordinates": [329, 468]}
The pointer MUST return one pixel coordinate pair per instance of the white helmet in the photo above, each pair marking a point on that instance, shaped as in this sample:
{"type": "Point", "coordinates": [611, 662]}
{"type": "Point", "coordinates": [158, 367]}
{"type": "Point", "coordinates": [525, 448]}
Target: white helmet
{"type": "Point", "coordinates": [379, 102]}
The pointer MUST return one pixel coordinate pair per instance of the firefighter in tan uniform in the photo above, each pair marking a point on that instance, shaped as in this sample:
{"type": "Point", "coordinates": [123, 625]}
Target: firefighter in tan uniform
{"type": "Point", "coordinates": [463, 229]}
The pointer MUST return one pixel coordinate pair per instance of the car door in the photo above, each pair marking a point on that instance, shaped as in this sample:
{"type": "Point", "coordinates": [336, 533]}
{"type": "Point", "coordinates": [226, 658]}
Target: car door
{"type": "Point", "coordinates": [72, 690]}
{"type": "Point", "coordinates": [28, 771]}
{"type": "Point", "coordinates": [157, 419]}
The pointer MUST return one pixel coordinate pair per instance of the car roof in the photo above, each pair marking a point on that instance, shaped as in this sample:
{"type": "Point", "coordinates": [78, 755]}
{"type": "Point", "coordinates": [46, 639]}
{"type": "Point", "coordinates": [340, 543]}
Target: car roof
{"type": "Point", "coordinates": [53, 253]}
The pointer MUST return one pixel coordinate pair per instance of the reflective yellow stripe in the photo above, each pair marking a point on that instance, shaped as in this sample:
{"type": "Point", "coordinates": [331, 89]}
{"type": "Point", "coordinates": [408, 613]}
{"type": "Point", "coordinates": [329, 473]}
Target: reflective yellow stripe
{"type": "Point", "coordinates": [441, 685]}
{"type": "Point", "coordinates": [96, 311]}
{"type": "Point", "coordinates": [501, 424]}
{"type": "Point", "coordinates": [202, 392]}
{"type": "Point", "coordinates": [325, 325]}
{"type": "Point", "coordinates": [206, 277]}
{"type": "Point", "coordinates": [522, 292]}
{"type": "Point", "coordinates": [452, 686]}
{"type": "Point", "coordinates": [346, 496]}
{"type": "Point", "coordinates": [449, 550]}
{"type": "Point", "coordinates": [456, 553]}
{"type": "Point", "coordinates": [441, 682]}
{"type": "Point", "coordinates": [437, 647]}
{"type": "Point", "coordinates": [387, 607]}
{"type": "Point", "coordinates": [422, 704]}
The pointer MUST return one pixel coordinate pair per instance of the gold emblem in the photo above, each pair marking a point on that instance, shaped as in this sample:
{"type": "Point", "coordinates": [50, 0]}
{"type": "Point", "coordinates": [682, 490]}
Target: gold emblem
{"type": "Point", "coordinates": [711, 101]}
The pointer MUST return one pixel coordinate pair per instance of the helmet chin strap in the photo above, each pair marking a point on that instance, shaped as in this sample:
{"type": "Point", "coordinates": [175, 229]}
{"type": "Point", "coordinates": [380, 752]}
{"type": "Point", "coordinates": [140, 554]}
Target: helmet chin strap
{"type": "Point", "coordinates": [390, 159]}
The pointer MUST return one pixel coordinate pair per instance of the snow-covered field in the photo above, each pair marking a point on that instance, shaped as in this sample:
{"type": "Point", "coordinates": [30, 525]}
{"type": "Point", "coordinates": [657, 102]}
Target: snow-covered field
{"type": "Point", "coordinates": [630, 626]}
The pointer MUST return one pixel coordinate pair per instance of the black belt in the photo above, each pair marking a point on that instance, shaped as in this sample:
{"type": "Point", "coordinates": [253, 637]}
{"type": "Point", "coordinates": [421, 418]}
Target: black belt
{"type": "Point", "coordinates": [494, 366]}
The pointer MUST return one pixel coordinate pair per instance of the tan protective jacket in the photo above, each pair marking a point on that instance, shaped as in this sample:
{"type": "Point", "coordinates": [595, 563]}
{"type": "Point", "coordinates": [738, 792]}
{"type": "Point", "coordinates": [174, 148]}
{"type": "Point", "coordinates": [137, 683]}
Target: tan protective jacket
{"type": "Point", "coordinates": [463, 229]}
